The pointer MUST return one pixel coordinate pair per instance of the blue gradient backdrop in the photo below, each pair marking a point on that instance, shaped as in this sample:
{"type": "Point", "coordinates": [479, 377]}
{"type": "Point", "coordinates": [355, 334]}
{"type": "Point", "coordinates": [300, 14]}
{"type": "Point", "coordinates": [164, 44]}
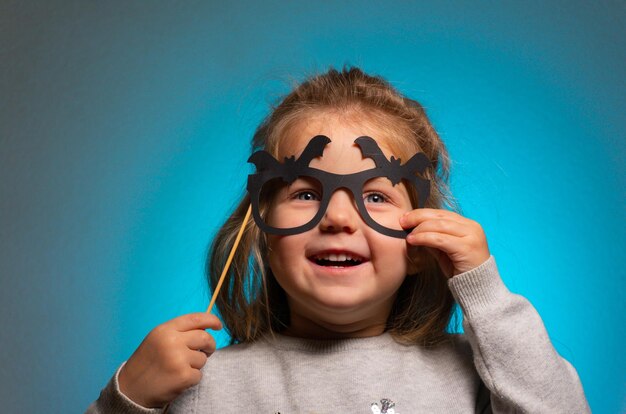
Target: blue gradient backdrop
{"type": "Point", "coordinates": [125, 130]}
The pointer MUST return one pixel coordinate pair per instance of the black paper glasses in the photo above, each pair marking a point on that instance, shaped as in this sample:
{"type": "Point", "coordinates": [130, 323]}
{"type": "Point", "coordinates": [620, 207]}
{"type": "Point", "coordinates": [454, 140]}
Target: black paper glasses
{"type": "Point", "coordinates": [291, 197]}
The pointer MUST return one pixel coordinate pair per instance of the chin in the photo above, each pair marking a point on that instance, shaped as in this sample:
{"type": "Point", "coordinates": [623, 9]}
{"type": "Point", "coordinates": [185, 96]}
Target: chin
{"type": "Point", "coordinates": [345, 305]}
{"type": "Point", "coordinates": [342, 298]}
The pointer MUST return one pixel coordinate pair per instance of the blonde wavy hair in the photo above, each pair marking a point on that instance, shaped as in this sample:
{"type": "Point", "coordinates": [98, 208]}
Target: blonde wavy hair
{"type": "Point", "coordinates": [252, 303]}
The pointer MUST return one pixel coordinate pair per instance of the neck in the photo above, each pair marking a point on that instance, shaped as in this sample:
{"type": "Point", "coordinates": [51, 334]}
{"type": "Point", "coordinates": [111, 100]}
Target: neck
{"type": "Point", "coordinates": [303, 327]}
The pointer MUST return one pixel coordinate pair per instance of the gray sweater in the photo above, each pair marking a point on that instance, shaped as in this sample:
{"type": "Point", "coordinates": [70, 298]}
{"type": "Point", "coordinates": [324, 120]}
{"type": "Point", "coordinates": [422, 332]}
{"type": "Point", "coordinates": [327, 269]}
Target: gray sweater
{"type": "Point", "coordinates": [504, 363]}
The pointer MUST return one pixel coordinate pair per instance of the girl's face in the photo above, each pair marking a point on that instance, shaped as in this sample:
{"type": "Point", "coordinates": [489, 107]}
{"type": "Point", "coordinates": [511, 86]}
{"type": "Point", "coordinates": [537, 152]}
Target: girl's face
{"type": "Point", "coordinates": [329, 299]}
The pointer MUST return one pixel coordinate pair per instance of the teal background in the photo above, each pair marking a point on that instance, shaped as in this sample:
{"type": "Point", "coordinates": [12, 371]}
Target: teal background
{"type": "Point", "coordinates": [124, 134]}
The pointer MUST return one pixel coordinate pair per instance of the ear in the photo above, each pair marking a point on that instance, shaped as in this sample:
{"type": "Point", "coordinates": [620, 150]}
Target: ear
{"type": "Point", "coordinates": [415, 259]}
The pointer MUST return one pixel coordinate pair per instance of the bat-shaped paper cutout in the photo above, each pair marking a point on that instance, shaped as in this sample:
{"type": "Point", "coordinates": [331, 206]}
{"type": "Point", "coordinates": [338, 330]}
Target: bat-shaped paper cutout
{"type": "Point", "coordinates": [394, 168]}
{"type": "Point", "coordinates": [289, 170]}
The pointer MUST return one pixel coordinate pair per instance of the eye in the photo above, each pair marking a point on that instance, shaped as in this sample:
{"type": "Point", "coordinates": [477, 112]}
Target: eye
{"type": "Point", "coordinates": [306, 196]}
{"type": "Point", "coordinates": [375, 198]}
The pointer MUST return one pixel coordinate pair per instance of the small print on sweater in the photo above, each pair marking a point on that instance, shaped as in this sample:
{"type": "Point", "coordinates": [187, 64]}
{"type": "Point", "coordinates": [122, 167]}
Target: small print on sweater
{"type": "Point", "coordinates": [385, 408]}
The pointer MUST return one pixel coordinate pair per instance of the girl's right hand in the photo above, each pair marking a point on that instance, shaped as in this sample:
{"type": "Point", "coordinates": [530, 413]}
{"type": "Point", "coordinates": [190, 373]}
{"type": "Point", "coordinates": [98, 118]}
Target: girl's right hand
{"type": "Point", "coordinates": [169, 360]}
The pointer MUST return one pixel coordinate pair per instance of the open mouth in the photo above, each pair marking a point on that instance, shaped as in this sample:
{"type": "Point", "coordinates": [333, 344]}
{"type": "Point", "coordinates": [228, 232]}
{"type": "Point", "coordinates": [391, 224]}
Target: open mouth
{"type": "Point", "coordinates": [337, 260]}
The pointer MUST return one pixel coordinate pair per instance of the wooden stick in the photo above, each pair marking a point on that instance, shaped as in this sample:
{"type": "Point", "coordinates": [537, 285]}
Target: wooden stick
{"type": "Point", "coordinates": [224, 271]}
{"type": "Point", "coordinates": [230, 259]}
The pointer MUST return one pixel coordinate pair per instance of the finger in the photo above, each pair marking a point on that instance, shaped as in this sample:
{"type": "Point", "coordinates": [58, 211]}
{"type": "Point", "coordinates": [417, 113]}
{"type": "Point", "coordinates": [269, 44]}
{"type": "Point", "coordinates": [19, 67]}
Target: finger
{"type": "Point", "coordinates": [199, 340]}
{"type": "Point", "coordinates": [445, 226]}
{"type": "Point", "coordinates": [197, 320]}
{"type": "Point", "coordinates": [197, 359]}
{"type": "Point", "coordinates": [414, 217]}
{"type": "Point", "coordinates": [444, 242]}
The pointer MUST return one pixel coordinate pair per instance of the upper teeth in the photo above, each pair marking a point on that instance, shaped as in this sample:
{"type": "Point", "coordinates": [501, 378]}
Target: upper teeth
{"type": "Point", "coordinates": [341, 257]}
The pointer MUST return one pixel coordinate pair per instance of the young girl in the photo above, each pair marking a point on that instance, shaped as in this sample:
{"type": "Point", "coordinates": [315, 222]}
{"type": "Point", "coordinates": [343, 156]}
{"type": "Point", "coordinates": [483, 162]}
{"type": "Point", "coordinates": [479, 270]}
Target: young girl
{"type": "Point", "coordinates": [342, 289]}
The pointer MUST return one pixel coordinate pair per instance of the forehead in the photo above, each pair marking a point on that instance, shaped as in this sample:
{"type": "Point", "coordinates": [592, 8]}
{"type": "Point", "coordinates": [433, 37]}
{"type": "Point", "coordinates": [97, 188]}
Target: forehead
{"type": "Point", "coordinates": [341, 155]}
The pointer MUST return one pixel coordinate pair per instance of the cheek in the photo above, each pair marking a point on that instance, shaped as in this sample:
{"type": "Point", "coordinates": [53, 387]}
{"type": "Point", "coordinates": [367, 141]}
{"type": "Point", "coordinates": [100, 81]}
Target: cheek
{"type": "Point", "coordinates": [393, 257]}
{"type": "Point", "coordinates": [284, 253]}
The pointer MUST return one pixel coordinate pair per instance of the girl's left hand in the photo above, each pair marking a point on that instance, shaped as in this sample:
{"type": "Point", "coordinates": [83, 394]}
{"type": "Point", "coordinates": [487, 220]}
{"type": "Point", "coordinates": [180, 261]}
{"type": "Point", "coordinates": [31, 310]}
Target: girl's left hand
{"type": "Point", "coordinates": [458, 243]}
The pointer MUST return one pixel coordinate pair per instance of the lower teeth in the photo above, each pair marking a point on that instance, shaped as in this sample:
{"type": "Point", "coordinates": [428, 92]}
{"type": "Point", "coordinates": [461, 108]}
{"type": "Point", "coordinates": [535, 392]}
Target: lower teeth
{"type": "Point", "coordinates": [337, 264]}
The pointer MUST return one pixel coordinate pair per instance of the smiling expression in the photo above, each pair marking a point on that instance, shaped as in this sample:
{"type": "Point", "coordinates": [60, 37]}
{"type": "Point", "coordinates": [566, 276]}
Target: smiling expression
{"type": "Point", "coordinates": [341, 276]}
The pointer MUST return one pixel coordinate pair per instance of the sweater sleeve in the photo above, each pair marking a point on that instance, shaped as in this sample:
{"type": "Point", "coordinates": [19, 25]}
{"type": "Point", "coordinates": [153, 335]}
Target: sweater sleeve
{"type": "Point", "coordinates": [112, 400]}
{"type": "Point", "coordinates": [511, 348]}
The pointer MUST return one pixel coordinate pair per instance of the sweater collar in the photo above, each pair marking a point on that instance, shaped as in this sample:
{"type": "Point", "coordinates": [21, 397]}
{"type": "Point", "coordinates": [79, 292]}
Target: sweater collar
{"type": "Point", "coordinates": [285, 342]}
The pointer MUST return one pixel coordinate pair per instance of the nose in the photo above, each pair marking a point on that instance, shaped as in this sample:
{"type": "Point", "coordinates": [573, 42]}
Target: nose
{"type": "Point", "coordinates": [341, 214]}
